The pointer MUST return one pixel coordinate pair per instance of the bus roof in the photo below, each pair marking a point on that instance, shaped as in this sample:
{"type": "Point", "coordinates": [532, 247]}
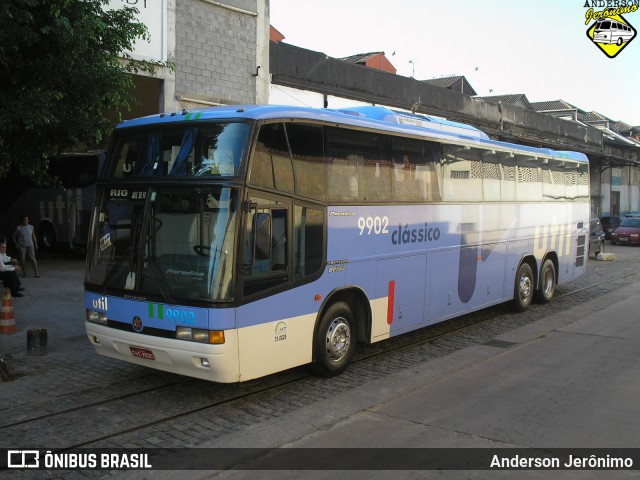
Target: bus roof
{"type": "Point", "coordinates": [370, 117]}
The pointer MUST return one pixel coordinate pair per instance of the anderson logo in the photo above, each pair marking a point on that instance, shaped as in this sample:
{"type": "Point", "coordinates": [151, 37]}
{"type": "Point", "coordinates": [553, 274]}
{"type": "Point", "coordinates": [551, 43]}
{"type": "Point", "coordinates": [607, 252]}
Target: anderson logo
{"type": "Point", "coordinates": [608, 29]}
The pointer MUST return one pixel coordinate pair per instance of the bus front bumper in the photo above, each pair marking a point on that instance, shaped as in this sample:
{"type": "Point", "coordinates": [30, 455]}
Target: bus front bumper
{"type": "Point", "coordinates": [216, 363]}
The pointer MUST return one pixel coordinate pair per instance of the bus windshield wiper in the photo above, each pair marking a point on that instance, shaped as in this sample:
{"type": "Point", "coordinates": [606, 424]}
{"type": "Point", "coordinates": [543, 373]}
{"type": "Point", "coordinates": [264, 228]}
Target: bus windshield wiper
{"type": "Point", "coordinates": [168, 298]}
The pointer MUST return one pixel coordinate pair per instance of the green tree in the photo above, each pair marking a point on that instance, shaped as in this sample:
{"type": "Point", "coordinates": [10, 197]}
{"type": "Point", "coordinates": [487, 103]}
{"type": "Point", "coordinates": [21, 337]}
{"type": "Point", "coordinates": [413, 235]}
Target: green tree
{"type": "Point", "coordinates": [63, 78]}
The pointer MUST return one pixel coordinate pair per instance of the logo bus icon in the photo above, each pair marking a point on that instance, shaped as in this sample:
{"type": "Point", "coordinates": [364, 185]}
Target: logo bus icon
{"type": "Point", "coordinates": [611, 35]}
{"type": "Point", "coordinates": [23, 459]}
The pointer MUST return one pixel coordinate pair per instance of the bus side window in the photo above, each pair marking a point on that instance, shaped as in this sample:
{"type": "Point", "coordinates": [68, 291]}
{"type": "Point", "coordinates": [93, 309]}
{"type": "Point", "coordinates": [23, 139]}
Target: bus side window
{"type": "Point", "coordinates": [529, 179]}
{"type": "Point", "coordinates": [414, 177]}
{"type": "Point", "coordinates": [265, 262]}
{"type": "Point", "coordinates": [359, 166]}
{"type": "Point", "coordinates": [271, 166]}
{"type": "Point", "coordinates": [279, 240]}
{"type": "Point", "coordinates": [307, 149]}
{"type": "Point", "coordinates": [308, 238]}
{"type": "Point", "coordinates": [344, 178]}
{"type": "Point", "coordinates": [261, 167]}
{"type": "Point", "coordinates": [553, 180]}
{"type": "Point", "coordinates": [262, 249]}
{"type": "Point", "coordinates": [462, 173]}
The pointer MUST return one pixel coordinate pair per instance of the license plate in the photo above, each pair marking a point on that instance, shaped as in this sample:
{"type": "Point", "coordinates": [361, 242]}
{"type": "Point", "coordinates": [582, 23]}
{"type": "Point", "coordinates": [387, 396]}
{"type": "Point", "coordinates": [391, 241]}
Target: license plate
{"type": "Point", "coordinates": [142, 353]}
{"type": "Point", "coordinates": [623, 239]}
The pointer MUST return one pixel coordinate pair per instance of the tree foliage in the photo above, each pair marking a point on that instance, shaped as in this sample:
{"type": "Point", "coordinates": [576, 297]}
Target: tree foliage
{"type": "Point", "coordinates": [62, 78]}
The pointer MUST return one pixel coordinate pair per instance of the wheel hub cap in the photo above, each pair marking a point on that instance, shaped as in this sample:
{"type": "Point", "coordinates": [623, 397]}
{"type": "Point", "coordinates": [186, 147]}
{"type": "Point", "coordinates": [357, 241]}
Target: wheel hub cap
{"type": "Point", "coordinates": [338, 339]}
{"type": "Point", "coordinates": [526, 288]}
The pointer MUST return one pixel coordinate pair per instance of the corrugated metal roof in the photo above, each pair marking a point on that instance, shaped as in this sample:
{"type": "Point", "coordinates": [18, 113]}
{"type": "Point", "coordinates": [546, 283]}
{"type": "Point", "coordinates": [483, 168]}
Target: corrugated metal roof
{"type": "Point", "coordinates": [451, 81]}
{"type": "Point", "coordinates": [360, 57]}
{"type": "Point", "coordinates": [552, 105]}
{"type": "Point", "coordinates": [594, 117]}
{"type": "Point", "coordinates": [519, 99]}
{"type": "Point", "coordinates": [444, 82]}
{"type": "Point", "coordinates": [620, 127]}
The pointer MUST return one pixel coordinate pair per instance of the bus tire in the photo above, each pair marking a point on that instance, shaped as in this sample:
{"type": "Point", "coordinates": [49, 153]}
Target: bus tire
{"type": "Point", "coordinates": [335, 340]}
{"type": "Point", "coordinates": [547, 282]}
{"type": "Point", "coordinates": [47, 236]}
{"type": "Point", "coordinates": [523, 288]}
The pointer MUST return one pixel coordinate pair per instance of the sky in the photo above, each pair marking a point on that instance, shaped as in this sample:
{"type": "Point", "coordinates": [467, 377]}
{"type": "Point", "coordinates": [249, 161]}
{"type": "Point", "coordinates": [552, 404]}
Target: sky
{"type": "Point", "coordinates": [538, 48]}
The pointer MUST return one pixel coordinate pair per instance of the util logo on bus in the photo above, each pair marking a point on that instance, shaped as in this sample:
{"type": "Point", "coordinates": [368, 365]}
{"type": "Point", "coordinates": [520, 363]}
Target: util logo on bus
{"type": "Point", "coordinates": [100, 303]}
{"type": "Point", "coordinates": [55, 209]}
{"type": "Point", "coordinates": [552, 236]}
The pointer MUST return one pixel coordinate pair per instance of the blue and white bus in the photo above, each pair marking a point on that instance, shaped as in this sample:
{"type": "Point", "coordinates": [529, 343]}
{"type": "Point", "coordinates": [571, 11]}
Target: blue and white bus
{"type": "Point", "coordinates": [60, 214]}
{"type": "Point", "coordinates": [234, 242]}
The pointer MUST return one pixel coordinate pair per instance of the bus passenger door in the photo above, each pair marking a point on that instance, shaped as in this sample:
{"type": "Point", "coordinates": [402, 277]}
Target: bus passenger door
{"type": "Point", "coordinates": [275, 323]}
{"type": "Point", "coordinates": [265, 248]}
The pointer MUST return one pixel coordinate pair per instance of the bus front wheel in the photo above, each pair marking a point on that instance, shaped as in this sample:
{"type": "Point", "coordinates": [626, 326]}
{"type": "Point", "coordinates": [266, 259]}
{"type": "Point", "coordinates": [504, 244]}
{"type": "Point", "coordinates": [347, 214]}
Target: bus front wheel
{"type": "Point", "coordinates": [523, 288]}
{"type": "Point", "coordinates": [335, 341]}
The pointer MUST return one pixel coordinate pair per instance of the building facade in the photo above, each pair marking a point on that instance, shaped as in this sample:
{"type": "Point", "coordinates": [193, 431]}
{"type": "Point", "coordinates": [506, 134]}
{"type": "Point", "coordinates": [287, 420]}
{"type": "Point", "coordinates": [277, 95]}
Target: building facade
{"type": "Point", "coordinates": [219, 52]}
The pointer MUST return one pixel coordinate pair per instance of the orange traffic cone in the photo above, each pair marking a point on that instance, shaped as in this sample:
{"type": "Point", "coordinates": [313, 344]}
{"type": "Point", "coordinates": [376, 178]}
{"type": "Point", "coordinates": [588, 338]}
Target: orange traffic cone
{"type": "Point", "coordinates": [7, 320]}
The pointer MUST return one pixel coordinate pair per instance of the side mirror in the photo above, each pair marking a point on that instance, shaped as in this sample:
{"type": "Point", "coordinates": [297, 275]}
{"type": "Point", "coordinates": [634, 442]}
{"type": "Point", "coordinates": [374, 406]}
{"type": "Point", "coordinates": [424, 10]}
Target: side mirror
{"type": "Point", "coordinates": [263, 236]}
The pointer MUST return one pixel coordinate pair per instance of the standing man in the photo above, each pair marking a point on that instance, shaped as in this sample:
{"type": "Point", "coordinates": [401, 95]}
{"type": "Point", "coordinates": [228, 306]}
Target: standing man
{"type": "Point", "coordinates": [25, 239]}
{"type": "Point", "coordinates": [8, 269]}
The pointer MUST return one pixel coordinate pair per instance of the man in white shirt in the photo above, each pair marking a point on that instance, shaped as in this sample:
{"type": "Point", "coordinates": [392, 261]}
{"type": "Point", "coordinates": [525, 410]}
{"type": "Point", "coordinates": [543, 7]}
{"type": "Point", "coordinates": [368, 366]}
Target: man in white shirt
{"type": "Point", "coordinates": [8, 267]}
{"type": "Point", "coordinates": [25, 239]}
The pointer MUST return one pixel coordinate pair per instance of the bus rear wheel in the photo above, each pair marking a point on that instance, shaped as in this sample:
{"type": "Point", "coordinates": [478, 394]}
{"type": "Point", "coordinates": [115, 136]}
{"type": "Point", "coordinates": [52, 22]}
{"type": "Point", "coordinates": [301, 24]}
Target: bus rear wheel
{"type": "Point", "coordinates": [547, 282]}
{"type": "Point", "coordinates": [523, 288]}
{"type": "Point", "coordinates": [335, 341]}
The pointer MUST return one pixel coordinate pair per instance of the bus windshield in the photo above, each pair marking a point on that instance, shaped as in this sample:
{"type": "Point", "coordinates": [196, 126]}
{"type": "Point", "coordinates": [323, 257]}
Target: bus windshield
{"type": "Point", "coordinates": [173, 242]}
{"type": "Point", "coordinates": [180, 150]}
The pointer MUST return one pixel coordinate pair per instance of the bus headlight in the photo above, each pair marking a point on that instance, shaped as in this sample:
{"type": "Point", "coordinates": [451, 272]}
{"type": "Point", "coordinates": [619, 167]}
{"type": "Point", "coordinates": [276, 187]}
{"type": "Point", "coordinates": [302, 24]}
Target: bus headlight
{"type": "Point", "coordinates": [96, 317]}
{"type": "Point", "coordinates": [215, 337]}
